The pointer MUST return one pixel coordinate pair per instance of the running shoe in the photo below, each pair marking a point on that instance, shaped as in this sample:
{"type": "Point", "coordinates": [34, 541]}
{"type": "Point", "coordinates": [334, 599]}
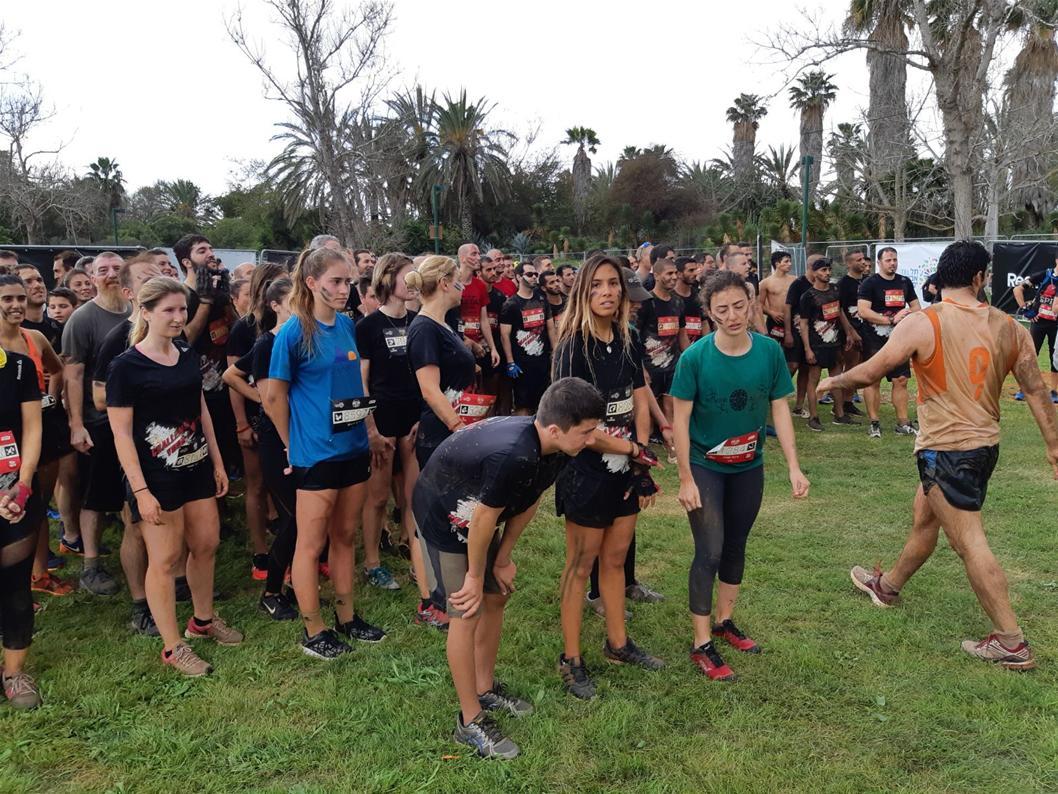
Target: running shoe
{"type": "Point", "coordinates": [53, 514]}
{"type": "Point", "coordinates": [186, 661]}
{"type": "Point", "coordinates": [49, 584]}
{"type": "Point", "coordinates": [432, 616]}
{"type": "Point", "coordinates": [815, 425]}
{"type": "Point", "coordinates": [875, 430]}
{"type": "Point", "coordinates": [631, 654]}
{"type": "Point", "coordinates": [905, 429]}
{"type": "Point", "coordinates": [259, 567]}
{"type": "Point", "coordinates": [598, 608]}
{"type": "Point", "coordinates": [575, 678]}
{"type": "Point", "coordinates": [278, 606]}
{"type": "Point", "coordinates": [381, 578]}
{"type": "Point", "coordinates": [22, 691]}
{"type": "Point", "coordinates": [1019, 395]}
{"type": "Point", "coordinates": [404, 550]}
{"type": "Point", "coordinates": [769, 431]}
{"type": "Point", "coordinates": [326, 645]}
{"type": "Point", "coordinates": [67, 546]}
{"type": "Point", "coordinates": [499, 698]}
{"type": "Point", "coordinates": [850, 408]}
{"type": "Point", "coordinates": [217, 630]}
{"type": "Point", "coordinates": [55, 562]}
{"type": "Point", "coordinates": [733, 636]}
{"type": "Point", "coordinates": [827, 399]}
{"type": "Point", "coordinates": [485, 737]}
{"type": "Point", "coordinates": [98, 582]}
{"type": "Point", "coordinates": [800, 413]}
{"type": "Point", "coordinates": [990, 649]}
{"type": "Point", "coordinates": [142, 622]}
{"type": "Point", "coordinates": [324, 570]}
{"type": "Point", "coordinates": [642, 594]}
{"type": "Point", "coordinates": [844, 420]}
{"type": "Point", "coordinates": [706, 659]}
{"type": "Point", "coordinates": [359, 629]}
{"type": "Point", "coordinates": [871, 584]}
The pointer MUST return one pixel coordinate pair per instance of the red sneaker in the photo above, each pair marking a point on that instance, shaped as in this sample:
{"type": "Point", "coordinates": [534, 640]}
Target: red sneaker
{"type": "Point", "coordinates": [871, 584]}
{"type": "Point", "coordinates": [432, 616]}
{"type": "Point", "coordinates": [49, 584]}
{"type": "Point", "coordinates": [709, 662]}
{"type": "Point", "coordinates": [734, 637]}
{"type": "Point", "coordinates": [325, 571]}
{"type": "Point", "coordinates": [259, 567]}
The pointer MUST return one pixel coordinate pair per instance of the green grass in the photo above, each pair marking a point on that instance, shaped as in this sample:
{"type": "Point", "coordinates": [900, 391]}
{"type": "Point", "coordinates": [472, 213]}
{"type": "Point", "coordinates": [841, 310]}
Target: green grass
{"type": "Point", "coordinates": [845, 697]}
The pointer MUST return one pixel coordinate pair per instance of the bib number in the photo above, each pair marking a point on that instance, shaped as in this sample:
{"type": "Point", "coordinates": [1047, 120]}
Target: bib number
{"type": "Point", "coordinates": [396, 341]}
{"type": "Point", "coordinates": [694, 326]}
{"type": "Point", "coordinates": [668, 326]}
{"type": "Point", "coordinates": [47, 401]}
{"type": "Point", "coordinates": [830, 310]}
{"type": "Point", "coordinates": [738, 449]}
{"type": "Point", "coordinates": [894, 299]}
{"type": "Point", "coordinates": [349, 413]}
{"type": "Point", "coordinates": [619, 407]}
{"type": "Point", "coordinates": [473, 407]}
{"type": "Point", "coordinates": [532, 318]}
{"type": "Point", "coordinates": [10, 459]}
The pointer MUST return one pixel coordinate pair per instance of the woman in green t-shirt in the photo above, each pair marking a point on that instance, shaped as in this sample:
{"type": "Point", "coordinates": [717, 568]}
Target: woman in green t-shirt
{"type": "Point", "coordinates": [723, 389]}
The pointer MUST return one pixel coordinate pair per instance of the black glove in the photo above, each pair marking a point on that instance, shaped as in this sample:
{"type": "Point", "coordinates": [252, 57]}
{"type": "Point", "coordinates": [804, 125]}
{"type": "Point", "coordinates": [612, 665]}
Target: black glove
{"type": "Point", "coordinates": [643, 484]}
{"type": "Point", "coordinates": [213, 284]}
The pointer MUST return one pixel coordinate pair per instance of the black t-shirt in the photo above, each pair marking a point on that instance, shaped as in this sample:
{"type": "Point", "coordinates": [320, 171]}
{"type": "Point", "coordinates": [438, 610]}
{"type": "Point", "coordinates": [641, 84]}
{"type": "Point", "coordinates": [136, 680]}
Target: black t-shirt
{"type": "Point", "coordinates": [166, 404]}
{"type": "Point", "coordinates": [848, 294]}
{"type": "Point", "coordinates": [527, 318]}
{"type": "Point", "coordinates": [554, 310]}
{"type": "Point", "coordinates": [821, 308]}
{"type": "Point", "coordinates": [888, 297]}
{"type": "Point", "coordinates": [256, 364]}
{"type": "Point", "coordinates": [18, 384]}
{"type": "Point", "coordinates": [242, 336]}
{"type": "Point", "coordinates": [212, 342]}
{"type": "Point", "coordinates": [352, 304]}
{"type": "Point", "coordinates": [659, 324]}
{"type": "Point", "coordinates": [51, 329]}
{"type": "Point", "coordinates": [492, 311]}
{"type": "Point", "coordinates": [114, 344]}
{"type": "Point", "coordinates": [383, 340]}
{"type": "Point", "coordinates": [495, 463]}
{"type": "Point", "coordinates": [616, 373]}
{"type": "Point", "coordinates": [432, 343]}
{"type": "Point", "coordinates": [693, 317]}
{"type": "Point", "coordinates": [797, 289]}
{"type": "Point", "coordinates": [454, 320]}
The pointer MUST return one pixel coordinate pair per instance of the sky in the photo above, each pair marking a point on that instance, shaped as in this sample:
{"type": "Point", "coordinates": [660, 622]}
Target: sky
{"type": "Point", "coordinates": [161, 87]}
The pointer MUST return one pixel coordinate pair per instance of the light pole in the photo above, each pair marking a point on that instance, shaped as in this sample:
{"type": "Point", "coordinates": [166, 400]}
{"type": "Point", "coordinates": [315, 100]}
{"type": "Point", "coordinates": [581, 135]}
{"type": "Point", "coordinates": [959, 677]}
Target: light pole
{"type": "Point", "coordinates": [114, 219]}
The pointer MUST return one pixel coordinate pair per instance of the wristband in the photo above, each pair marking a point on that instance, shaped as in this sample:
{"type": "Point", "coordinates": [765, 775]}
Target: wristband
{"type": "Point", "coordinates": [663, 428]}
{"type": "Point", "coordinates": [22, 494]}
{"type": "Point", "coordinates": [241, 429]}
{"type": "Point", "coordinates": [144, 488]}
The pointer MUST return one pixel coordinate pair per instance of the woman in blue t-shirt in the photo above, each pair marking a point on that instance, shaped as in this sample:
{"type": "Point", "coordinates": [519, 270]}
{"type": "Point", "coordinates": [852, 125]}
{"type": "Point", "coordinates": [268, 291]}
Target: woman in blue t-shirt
{"type": "Point", "coordinates": [317, 404]}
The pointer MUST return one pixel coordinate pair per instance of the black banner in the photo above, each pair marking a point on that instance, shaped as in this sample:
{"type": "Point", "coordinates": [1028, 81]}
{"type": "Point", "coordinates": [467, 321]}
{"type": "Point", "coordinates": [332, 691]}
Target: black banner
{"type": "Point", "coordinates": [1012, 262]}
{"type": "Point", "coordinates": [42, 256]}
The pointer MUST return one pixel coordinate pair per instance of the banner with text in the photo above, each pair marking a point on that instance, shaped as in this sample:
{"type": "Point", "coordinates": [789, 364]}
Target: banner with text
{"type": "Point", "coordinates": [1011, 263]}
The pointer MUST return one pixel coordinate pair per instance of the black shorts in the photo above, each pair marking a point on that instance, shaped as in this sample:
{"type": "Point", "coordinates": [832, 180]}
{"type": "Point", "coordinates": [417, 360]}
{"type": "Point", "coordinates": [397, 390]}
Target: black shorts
{"type": "Point", "coordinates": [594, 499]}
{"type": "Point", "coordinates": [177, 489]}
{"type": "Point", "coordinates": [530, 386]}
{"type": "Point", "coordinates": [219, 405]}
{"type": "Point", "coordinates": [872, 343]}
{"type": "Point", "coordinates": [446, 570]}
{"type": "Point", "coordinates": [795, 354]}
{"type": "Point", "coordinates": [962, 476]}
{"type": "Point", "coordinates": [101, 478]}
{"type": "Point", "coordinates": [30, 523]}
{"type": "Point", "coordinates": [660, 383]}
{"type": "Point", "coordinates": [395, 418]}
{"type": "Point", "coordinates": [333, 475]}
{"type": "Point", "coordinates": [55, 434]}
{"type": "Point", "coordinates": [826, 357]}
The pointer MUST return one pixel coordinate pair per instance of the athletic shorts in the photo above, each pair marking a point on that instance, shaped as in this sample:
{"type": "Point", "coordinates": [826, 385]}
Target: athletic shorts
{"type": "Point", "coordinates": [219, 405]}
{"type": "Point", "coordinates": [529, 387]}
{"type": "Point", "coordinates": [395, 418]}
{"type": "Point", "coordinates": [962, 476]}
{"type": "Point", "coordinates": [826, 357]}
{"type": "Point", "coordinates": [593, 499]}
{"type": "Point", "coordinates": [177, 490]}
{"type": "Point", "coordinates": [871, 345]}
{"type": "Point", "coordinates": [30, 523]}
{"type": "Point", "coordinates": [101, 477]}
{"type": "Point", "coordinates": [446, 570]}
{"type": "Point", "coordinates": [55, 434]}
{"type": "Point", "coordinates": [661, 383]}
{"type": "Point", "coordinates": [333, 475]}
{"type": "Point", "coordinates": [795, 354]}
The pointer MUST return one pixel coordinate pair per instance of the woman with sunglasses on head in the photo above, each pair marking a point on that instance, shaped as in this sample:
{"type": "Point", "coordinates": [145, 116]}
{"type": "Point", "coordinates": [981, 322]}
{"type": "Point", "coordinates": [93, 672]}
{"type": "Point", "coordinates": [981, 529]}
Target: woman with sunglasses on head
{"type": "Point", "coordinates": [602, 490]}
{"type": "Point", "coordinates": [316, 400]}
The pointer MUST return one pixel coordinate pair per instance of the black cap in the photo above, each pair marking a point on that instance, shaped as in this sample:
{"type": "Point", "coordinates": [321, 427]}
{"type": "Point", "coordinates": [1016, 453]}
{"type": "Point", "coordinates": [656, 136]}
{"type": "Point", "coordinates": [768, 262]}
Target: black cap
{"type": "Point", "coordinates": [821, 263]}
{"type": "Point", "coordinates": [636, 292]}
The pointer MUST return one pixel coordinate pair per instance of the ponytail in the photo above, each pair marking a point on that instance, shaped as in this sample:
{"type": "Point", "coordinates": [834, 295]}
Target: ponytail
{"type": "Point", "coordinates": [314, 265]}
{"type": "Point", "coordinates": [275, 293]}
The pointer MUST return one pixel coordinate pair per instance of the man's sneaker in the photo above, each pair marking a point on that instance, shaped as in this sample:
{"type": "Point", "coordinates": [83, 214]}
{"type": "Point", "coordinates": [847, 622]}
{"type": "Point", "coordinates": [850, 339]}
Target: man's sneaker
{"type": "Point", "coordinates": [187, 661]}
{"type": "Point", "coordinates": [53, 514]}
{"type": "Point", "coordinates": [485, 737]}
{"type": "Point", "coordinates": [875, 430]}
{"type": "Point", "coordinates": [905, 429]}
{"type": "Point", "coordinates": [381, 578]}
{"type": "Point", "coordinates": [815, 425]}
{"type": "Point", "coordinates": [851, 409]}
{"type": "Point", "coordinates": [642, 594]}
{"type": "Point", "coordinates": [992, 650]}
{"type": "Point", "coordinates": [326, 645]}
{"type": "Point", "coordinates": [217, 630]}
{"type": "Point", "coordinates": [67, 546]}
{"type": "Point", "coordinates": [856, 398]}
{"type": "Point", "coordinates": [844, 420]}
{"type": "Point", "coordinates": [50, 585]}
{"type": "Point", "coordinates": [826, 399]}
{"type": "Point", "coordinates": [631, 654]}
{"type": "Point", "coordinates": [706, 659]}
{"type": "Point", "coordinates": [800, 413]}
{"type": "Point", "coordinates": [359, 629]}
{"type": "Point", "coordinates": [432, 616]}
{"type": "Point", "coordinates": [278, 606]}
{"type": "Point", "coordinates": [55, 562]}
{"type": "Point", "coordinates": [142, 622]}
{"type": "Point", "coordinates": [1019, 395]}
{"type": "Point", "coordinates": [735, 637]}
{"type": "Point", "coordinates": [871, 584]}
{"type": "Point", "coordinates": [259, 567]}
{"type": "Point", "coordinates": [598, 608]}
{"type": "Point", "coordinates": [575, 678]}
{"type": "Point", "coordinates": [98, 582]}
{"type": "Point", "coordinates": [499, 698]}
{"type": "Point", "coordinates": [21, 691]}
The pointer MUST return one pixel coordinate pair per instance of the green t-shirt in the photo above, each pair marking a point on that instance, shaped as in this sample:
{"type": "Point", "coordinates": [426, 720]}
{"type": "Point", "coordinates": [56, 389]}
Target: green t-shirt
{"type": "Point", "coordinates": [731, 396]}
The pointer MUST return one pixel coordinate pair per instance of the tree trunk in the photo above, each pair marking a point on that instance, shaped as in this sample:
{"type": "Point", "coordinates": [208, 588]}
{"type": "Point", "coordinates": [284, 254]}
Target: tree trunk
{"type": "Point", "coordinates": [888, 130]}
{"type": "Point", "coordinates": [581, 187]}
{"type": "Point", "coordinates": [812, 145]}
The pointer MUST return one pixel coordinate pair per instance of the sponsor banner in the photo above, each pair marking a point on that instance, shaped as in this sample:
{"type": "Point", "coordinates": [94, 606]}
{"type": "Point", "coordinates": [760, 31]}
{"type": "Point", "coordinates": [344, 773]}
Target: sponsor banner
{"type": "Point", "coordinates": [1012, 262]}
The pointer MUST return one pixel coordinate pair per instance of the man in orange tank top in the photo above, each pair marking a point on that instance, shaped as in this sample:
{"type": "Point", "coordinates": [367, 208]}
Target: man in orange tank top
{"type": "Point", "coordinates": [962, 350]}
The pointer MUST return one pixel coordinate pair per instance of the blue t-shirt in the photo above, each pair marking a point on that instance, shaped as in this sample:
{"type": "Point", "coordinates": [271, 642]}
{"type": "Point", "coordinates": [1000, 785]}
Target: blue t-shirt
{"type": "Point", "coordinates": [331, 373]}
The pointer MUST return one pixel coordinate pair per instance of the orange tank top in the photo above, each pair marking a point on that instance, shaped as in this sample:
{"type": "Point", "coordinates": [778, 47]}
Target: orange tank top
{"type": "Point", "coordinates": [34, 353]}
{"type": "Point", "coordinates": [974, 349]}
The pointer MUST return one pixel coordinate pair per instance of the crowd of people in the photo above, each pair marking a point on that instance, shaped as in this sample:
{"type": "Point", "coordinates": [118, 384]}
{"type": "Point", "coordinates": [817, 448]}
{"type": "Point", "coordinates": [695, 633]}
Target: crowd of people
{"type": "Point", "coordinates": [423, 406]}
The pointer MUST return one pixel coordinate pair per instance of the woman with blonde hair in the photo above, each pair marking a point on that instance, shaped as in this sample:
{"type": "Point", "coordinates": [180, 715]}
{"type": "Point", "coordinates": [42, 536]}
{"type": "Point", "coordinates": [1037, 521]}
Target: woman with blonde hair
{"type": "Point", "coordinates": [173, 469]}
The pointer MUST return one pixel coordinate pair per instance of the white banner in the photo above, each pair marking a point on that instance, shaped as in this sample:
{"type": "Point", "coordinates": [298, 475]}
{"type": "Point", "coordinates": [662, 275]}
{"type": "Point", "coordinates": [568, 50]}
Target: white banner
{"type": "Point", "coordinates": [917, 261]}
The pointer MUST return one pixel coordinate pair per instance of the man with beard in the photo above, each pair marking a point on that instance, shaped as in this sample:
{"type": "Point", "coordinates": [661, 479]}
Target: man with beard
{"type": "Point", "coordinates": [688, 271]}
{"type": "Point", "coordinates": [63, 263]}
{"type": "Point", "coordinates": [556, 301]}
{"type": "Point", "coordinates": [36, 300]}
{"type": "Point", "coordinates": [506, 283]}
{"type": "Point", "coordinates": [365, 263]}
{"type": "Point", "coordinates": [662, 327]}
{"type": "Point", "coordinates": [856, 267]}
{"type": "Point", "coordinates": [738, 262]}
{"type": "Point", "coordinates": [526, 344]}
{"type": "Point", "coordinates": [567, 274]}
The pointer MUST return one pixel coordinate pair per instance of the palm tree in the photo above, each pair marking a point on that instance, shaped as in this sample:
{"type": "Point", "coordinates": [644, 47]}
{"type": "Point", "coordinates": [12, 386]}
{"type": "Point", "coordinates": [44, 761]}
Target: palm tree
{"type": "Point", "coordinates": [106, 174]}
{"type": "Point", "coordinates": [745, 114]}
{"type": "Point", "coordinates": [629, 153]}
{"type": "Point", "coordinates": [411, 133]}
{"type": "Point", "coordinates": [778, 167]}
{"type": "Point", "coordinates": [846, 151]}
{"type": "Point", "coordinates": [812, 96]}
{"type": "Point", "coordinates": [467, 156]}
{"type": "Point", "coordinates": [581, 137]}
{"type": "Point", "coordinates": [187, 200]}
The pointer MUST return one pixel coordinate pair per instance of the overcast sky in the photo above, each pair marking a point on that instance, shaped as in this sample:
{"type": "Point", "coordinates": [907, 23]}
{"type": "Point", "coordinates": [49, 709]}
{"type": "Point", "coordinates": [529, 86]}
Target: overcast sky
{"type": "Point", "coordinates": [161, 88]}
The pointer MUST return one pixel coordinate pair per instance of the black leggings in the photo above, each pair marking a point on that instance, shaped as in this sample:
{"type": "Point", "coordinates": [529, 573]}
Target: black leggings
{"type": "Point", "coordinates": [630, 570]}
{"type": "Point", "coordinates": [16, 601]}
{"type": "Point", "coordinates": [1044, 329]}
{"type": "Point", "coordinates": [281, 488]}
{"type": "Point", "coordinates": [720, 527]}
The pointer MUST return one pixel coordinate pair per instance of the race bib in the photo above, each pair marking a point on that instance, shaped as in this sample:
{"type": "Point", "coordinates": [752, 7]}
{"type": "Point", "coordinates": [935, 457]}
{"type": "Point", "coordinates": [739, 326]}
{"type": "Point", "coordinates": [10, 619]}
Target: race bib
{"type": "Point", "coordinates": [218, 332]}
{"type": "Point", "coordinates": [532, 318]}
{"type": "Point", "coordinates": [694, 326]}
{"type": "Point", "coordinates": [472, 407]}
{"type": "Point", "coordinates": [1046, 311]}
{"type": "Point", "coordinates": [894, 299]}
{"type": "Point", "coordinates": [47, 401]}
{"type": "Point", "coordinates": [10, 459]}
{"type": "Point", "coordinates": [776, 331]}
{"type": "Point", "coordinates": [830, 310]}
{"type": "Point", "coordinates": [619, 407]}
{"type": "Point", "coordinates": [738, 449]}
{"type": "Point", "coordinates": [396, 341]}
{"type": "Point", "coordinates": [347, 414]}
{"type": "Point", "coordinates": [668, 326]}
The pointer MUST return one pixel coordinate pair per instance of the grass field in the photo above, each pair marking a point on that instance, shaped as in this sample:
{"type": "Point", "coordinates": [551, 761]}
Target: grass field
{"type": "Point", "coordinates": [846, 697]}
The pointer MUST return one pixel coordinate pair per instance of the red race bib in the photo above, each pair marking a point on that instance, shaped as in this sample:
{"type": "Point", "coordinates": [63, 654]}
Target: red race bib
{"type": "Point", "coordinates": [738, 449]}
{"type": "Point", "coordinates": [10, 459]}
{"type": "Point", "coordinates": [894, 299]}
{"type": "Point", "coordinates": [694, 327]}
{"type": "Point", "coordinates": [473, 407]}
{"type": "Point", "coordinates": [532, 318]}
{"type": "Point", "coordinates": [668, 326]}
{"type": "Point", "coordinates": [830, 310]}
